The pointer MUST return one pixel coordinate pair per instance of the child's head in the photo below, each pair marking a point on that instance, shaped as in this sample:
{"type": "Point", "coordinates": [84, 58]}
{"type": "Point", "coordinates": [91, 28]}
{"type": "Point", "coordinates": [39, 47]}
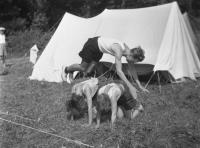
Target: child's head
{"type": "Point", "coordinates": [136, 54]}
{"type": "Point", "coordinates": [2, 29]}
{"type": "Point", "coordinates": [76, 106]}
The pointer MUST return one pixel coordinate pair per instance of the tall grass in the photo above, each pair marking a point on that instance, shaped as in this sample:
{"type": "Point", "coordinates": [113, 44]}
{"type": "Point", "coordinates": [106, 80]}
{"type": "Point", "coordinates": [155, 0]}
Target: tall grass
{"type": "Point", "coordinates": [170, 120]}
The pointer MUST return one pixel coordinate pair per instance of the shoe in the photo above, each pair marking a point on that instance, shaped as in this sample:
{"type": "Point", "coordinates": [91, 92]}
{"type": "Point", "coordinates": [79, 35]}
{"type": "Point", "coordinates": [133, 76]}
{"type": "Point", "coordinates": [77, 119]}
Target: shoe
{"type": "Point", "coordinates": [141, 108]}
{"type": "Point", "coordinates": [70, 78]}
{"type": "Point", "coordinates": [64, 74]}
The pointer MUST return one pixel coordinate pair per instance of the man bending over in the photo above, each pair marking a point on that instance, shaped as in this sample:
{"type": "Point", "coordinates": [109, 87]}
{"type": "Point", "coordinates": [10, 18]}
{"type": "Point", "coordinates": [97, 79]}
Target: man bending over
{"type": "Point", "coordinates": [93, 51]}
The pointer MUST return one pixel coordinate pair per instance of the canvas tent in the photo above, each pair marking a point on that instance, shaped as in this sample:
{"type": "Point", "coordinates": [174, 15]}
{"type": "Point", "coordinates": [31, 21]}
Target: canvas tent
{"type": "Point", "coordinates": [160, 30]}
{"type": "Point", "coordinates": [192, 33]}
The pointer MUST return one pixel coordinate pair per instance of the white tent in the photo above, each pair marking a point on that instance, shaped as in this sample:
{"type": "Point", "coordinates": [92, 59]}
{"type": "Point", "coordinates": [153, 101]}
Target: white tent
{"type": "Point", "coordinates": [160, 30]}
{"type": "Point", "coordinates": [192, 34]}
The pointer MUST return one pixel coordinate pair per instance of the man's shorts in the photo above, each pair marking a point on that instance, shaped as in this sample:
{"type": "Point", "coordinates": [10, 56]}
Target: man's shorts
{"type": "Point", "coordinates": [91, 51]}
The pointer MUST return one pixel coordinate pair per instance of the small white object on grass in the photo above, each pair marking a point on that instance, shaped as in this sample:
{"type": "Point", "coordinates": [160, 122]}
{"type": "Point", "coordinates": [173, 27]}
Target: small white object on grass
{"type": "Point", "coordinates": [33, 54]}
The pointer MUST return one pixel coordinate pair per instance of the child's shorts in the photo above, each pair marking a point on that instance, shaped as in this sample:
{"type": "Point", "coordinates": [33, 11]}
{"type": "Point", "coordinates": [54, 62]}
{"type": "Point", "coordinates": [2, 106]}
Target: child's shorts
{"type": "Point", "coordinates": [127, 102]}
{"type": "Point", "coordinates": [91, 51]}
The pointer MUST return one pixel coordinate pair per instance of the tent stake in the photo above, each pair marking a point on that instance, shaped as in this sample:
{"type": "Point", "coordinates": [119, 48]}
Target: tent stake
{"type": "Point", "coordinates": [159, 82]}
{"type": "Point", "coordinates": [171, 81]}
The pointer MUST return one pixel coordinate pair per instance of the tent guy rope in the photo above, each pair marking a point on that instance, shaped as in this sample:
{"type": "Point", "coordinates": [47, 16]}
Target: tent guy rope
{"type": "Point", "coordinates": [45, 132]}
{"type": "Point", "coordinates": [14, 115]}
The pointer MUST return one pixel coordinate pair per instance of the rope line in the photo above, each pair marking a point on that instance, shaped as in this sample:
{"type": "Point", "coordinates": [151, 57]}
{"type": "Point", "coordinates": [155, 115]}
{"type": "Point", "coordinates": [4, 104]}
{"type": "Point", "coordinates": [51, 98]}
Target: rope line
{"type": "Point", "coordinates": [149, 80]}
{"type": "Point", "coordinates": [7, 113]}
{"type": "Point", "coordinates": [50, 29]}
{"type": "Point", "coordinates": [106, 71]}
{"type": "Point", "coordinates": [42, 131]}
{"type": "Point", "coordinates": [25, 118]}
{"type": "Point", "coordinates": [192, 17]}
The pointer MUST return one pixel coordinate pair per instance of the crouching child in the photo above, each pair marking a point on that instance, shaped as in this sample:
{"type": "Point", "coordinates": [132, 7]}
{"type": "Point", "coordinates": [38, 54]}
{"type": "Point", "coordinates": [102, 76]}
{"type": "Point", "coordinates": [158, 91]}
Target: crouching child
{"type": "Point", "coordinates": [81, 99]}
{"type": "Point", "coordinates": [115, 97]}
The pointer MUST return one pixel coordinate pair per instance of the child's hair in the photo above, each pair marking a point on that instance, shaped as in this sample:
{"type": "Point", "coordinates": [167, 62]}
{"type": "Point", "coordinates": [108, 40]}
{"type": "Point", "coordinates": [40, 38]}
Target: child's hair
{"type": "Point", "coordinates": [138, 53]}
{"type": "Point", "coordinates": [103, 103]}
{"type": "Point", "coordinates": [76, 106]}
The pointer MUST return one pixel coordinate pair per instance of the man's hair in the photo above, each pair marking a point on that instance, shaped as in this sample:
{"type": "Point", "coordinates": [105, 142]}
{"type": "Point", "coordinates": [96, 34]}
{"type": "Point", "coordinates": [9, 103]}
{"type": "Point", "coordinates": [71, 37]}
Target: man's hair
{"type": "Point", "coordinates": [138, 53]}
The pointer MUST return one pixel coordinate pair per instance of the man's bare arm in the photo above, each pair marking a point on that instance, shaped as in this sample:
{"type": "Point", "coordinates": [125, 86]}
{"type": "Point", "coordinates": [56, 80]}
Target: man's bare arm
{"type": "Point", "coordinates": [118, 64]}
{"type": "Point", "coordinates": [132, 89]}
{"type": "Point", "coordinates": [133, 71]}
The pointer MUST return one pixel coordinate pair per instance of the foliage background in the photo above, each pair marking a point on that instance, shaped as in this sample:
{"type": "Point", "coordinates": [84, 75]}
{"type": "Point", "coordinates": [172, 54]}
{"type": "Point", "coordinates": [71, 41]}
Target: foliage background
{"type": "Point", "coordinates": [25, 14]}
{"type": "Point", "coordinates": [33, 21]}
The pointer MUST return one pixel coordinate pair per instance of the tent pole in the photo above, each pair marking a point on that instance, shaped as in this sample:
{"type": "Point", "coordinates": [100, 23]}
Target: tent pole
{"type": "Point", "coordinates": [159, 81]}
{"type": "Point", "coordinates": [149, 80]}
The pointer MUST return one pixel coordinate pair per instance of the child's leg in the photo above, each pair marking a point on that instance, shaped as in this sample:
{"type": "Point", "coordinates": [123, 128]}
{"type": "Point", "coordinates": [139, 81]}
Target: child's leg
{"type": "Point", "coordinates": [2, 55]}
{"type": "Point", "coordinates": [120, 112]}
{"type": "Point", "coordinates": [3, 69]}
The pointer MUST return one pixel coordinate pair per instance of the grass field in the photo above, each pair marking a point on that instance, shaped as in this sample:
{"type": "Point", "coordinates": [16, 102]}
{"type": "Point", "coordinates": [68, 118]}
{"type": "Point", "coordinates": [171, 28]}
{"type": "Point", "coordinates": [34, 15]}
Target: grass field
{"type": "Point", "coordinates": [171, 118]}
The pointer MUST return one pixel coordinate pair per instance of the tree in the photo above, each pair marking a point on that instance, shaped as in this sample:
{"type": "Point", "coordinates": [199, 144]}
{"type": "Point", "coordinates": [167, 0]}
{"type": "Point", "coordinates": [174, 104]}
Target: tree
{"type": "Point", "coordinates": [8, 10]}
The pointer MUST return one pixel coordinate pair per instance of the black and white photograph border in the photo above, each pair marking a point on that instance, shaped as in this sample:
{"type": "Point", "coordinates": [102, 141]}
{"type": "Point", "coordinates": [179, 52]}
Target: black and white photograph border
{"type": "Point", "coordinates": [56, 56]}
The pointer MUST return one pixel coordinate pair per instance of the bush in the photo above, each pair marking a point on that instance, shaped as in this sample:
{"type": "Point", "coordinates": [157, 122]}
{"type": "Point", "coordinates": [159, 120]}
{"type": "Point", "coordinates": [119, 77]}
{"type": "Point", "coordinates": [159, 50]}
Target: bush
{"type": "Point", "coordinates": [16, 24]}
{"type": "Point", "coordinates": [39, 21]}
{"type": "Point", "coordinates": [19, 43]}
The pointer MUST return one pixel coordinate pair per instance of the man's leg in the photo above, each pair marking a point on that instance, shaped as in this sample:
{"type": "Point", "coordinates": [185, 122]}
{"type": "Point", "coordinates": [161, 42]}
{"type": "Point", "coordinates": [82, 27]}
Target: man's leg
{"type": "Point", "coordinates": [74, 67]}
{"type": "Point", "coordinates": [77, 67]}
{"type": "Point", "coordinates": [90, 68]}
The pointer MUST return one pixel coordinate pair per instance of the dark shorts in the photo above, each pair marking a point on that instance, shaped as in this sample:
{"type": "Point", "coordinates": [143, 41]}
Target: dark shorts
{"type": "Point", "coordinates": [90, 51]}
{"type": "Point", "coordinates": [127, 102]}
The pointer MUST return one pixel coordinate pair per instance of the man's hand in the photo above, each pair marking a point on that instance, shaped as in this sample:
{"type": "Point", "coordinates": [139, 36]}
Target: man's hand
{"type": "Point", "coordinates": [144, 89]}
{"type": "Point", "coordinates": [141, 87]}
